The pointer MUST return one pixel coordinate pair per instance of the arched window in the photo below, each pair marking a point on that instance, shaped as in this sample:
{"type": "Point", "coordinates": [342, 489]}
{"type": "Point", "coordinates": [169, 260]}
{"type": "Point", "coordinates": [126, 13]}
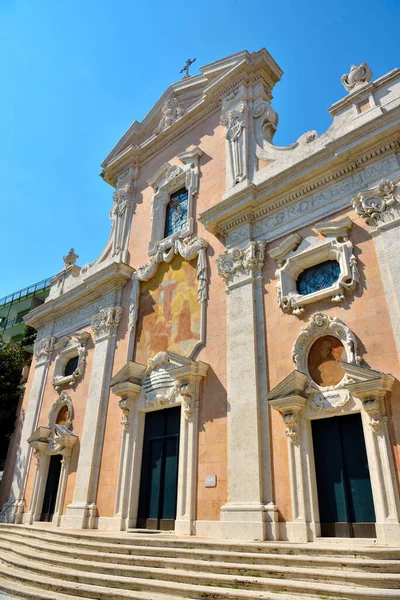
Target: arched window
{"type": "Point", "coordinates": [318, 277]}
{"type": "Point", "coordinates": [176, 213]}
{"type": "Point", "coordinates": [71, 365]}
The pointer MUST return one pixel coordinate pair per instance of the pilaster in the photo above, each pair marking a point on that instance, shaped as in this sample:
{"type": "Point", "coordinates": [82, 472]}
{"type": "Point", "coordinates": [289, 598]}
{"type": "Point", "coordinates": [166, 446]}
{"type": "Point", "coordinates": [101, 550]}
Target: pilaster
{"type": "Point", "coordinates": [244, 516]}
{"type": "Point", "coordinates": [43, 352]}
{"type": "Point", "coordinates": [83, 506]}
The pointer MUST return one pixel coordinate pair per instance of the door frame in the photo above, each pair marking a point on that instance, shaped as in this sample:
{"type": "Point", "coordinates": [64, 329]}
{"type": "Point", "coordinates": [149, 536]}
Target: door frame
{"type": "Point", "coordinates": [163, 437]}
{"type": "Point", "coordinates": [298, 415]}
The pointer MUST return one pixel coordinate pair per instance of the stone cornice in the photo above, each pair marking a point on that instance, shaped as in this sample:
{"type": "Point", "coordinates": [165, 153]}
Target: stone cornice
{"type": "Point", "coordinates": [251, 202]}
{"type": "Point", "coordinates": [113, 277]}
{"type": "Point", "coordinates": [249, 71]}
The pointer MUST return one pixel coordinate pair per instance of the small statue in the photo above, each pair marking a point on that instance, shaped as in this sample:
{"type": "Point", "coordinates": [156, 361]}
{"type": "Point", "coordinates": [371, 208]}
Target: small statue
{"type": "Point", "coordinates": [357, 77]}
{"type": "Point", "coordinates": [70, 258]}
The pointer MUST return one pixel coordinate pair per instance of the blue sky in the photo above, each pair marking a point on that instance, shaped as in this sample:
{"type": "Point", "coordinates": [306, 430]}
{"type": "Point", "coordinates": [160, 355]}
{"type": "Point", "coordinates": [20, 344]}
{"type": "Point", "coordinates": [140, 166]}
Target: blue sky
{"type": "Point", "coordinates": [76, 74]}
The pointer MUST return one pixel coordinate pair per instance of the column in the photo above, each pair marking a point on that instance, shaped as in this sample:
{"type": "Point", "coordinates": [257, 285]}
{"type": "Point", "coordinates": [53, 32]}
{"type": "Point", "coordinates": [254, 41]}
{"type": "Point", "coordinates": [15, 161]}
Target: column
{"type": "Point", "coordinates": [83, 505]}
{"type": "Point", "coordinates": [244, 515]}
{"type": "Point", "coordinates": [43, 352]}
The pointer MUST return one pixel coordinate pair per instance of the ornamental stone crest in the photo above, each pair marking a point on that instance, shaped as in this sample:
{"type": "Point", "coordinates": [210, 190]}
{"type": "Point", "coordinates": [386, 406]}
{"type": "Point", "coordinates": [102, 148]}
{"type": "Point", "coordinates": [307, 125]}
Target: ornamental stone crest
{"type": "Point", "coordinates": [239, 263]}
{"type": "Point", "coordinates": [380, 205]}
{"type": "Point", "coordinates": [67, 349]}
{"type": "Point", "coordinates": [70, 259]}
{"type": "Point", "coordinates": [170, 112]}
{"type": "Point", "coordinates": [357, 77]}
{"type": "Point", "coordinates": [43, 348]}
{"type": "Point", "coordinates": [105, 322]}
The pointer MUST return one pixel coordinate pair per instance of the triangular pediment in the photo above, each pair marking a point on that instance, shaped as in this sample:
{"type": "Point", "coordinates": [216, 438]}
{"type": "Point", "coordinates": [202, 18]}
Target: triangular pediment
{"type": "Point", "coordinates": [292, 385]}
{"type": "Point", "coordinates": [358, 375]}
{"type": "Point", "coordinates": [189, 94]}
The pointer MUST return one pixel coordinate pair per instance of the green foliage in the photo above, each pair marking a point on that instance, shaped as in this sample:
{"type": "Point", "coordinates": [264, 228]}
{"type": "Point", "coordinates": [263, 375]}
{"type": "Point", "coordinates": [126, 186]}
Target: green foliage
{"type": "Point", "coordinates": [11, 362]}
{"type": "Point", "coordinates": [29, 336]}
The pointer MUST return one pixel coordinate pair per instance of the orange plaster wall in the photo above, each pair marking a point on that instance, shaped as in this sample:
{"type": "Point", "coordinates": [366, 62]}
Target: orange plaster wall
{"type": "Point", "coordinates": [365, 311]}
{"type": "Point", "coordinates": [78, 396]}
{"type": "Point", "coordinates": [210, 137]}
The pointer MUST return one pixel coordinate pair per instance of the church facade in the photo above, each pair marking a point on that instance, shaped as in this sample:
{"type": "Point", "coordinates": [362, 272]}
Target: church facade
{"type": "Point", "coordinates": [229, 365]}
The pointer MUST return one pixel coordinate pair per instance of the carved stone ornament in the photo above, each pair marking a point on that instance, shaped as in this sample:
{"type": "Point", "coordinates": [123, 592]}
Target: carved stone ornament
{"type": "Point", "coordinates": [322, 325]}
{"type": "Point", "coordinates": [188, 249]}
{"type": "Point", "coordinates": [43, 349]}
{"type": "Point", "coordinates": [167, 180]}
{"type": "Point", "coordinates": [69, 348]}
{"type": "Point", "coordinates": [70, 259]}
{"type": "Point", "coordinates": [357, 77]}
{"type": "Point", "coordinates": [294, 255]}
{"type": "Point", "coordinates": [106, 322]}
{"type": "Point", "coordinates": [371, 406]}
{"type": "Point", "coordinates": [239, 263]}
{"type": "Point", "coordinates": [325, 397]}
{"type": "Point", "coordinates": [379, 205]}
{"type": "Point", "coordinates": [63, 400]}
{"type": "Point", "coordinates": [170, 112]}
{"type": "Point", "coordinates": [170, 378]}
{"type": "Point", "coordinates": [235, 121]}
{"type": "Point", "coordinates": [120, 217]}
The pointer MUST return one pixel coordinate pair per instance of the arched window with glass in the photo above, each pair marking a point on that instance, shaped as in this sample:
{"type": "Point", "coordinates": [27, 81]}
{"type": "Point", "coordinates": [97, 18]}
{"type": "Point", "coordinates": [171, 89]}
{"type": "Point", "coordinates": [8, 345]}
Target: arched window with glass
{"type": "Point", "coordinates": [176, 213]}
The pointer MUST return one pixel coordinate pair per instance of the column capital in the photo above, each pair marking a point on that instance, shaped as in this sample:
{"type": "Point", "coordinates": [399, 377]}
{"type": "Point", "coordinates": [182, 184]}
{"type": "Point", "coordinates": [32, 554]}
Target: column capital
{"type": "Point", "coordinates": [380, 205]}
{"type": "Point", "coordinates": [241, 265]}
{"type": "Point", "coordinates": [105, 322]}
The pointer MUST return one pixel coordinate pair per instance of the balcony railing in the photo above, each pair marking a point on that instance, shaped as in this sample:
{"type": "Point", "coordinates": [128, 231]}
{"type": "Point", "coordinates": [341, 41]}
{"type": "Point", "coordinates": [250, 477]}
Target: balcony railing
{"type": "Point", "coordinates": [36, 287]}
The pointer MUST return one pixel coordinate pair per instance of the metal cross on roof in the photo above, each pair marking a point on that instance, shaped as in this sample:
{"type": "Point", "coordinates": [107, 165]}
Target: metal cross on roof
{"type": "Point", "coordinates": [186, 67]}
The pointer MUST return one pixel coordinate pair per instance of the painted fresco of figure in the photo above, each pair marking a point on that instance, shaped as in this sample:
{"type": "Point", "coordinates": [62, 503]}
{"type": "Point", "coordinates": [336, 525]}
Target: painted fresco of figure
{"type": "Point", "coordinates": [323, 361]}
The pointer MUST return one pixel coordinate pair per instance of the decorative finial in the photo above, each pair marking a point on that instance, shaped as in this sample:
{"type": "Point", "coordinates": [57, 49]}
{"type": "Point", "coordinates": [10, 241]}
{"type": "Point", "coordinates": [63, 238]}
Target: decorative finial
{"type": "Point", "coordinates": [186, 67]}
{"type": "Point", "coordinates": [70, 258]}
{"type": "Point", "coordinates": [357, 77]}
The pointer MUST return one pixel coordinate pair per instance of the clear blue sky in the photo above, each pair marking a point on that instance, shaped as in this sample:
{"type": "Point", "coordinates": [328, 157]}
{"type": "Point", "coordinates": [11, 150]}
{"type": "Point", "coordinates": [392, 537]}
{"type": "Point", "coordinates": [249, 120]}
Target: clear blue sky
{"type": "Point", "coordinates": [76, 73]}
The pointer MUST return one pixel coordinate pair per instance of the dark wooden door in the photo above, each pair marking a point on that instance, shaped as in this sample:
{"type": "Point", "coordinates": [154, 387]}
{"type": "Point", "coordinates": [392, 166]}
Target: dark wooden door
{"type": "Point", "coordinates": [345, 501]}
{"type": "Point", "coordinates": [50, 494]}
{"type": "Point", "coordinates": [159, 476]}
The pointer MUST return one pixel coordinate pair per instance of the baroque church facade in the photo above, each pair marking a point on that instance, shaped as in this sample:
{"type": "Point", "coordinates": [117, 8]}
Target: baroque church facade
{"type": "Point", "coordinates": [229, 366]}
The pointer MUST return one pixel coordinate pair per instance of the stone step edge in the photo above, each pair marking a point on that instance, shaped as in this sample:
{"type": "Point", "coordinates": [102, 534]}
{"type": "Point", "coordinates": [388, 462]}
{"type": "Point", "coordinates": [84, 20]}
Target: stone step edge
{"type": "Point", "coordinates": [356, 578]}
{"type": "Point", "coordinates": [94, 592]}
{"type": "Point", "coordinates": [198, 591]}
{"type": "Point", "coordinates": [31, 593]}
{"type": "Point", "coordinates": [370, 553]}
{"type": "Point", "coordinates": [191, 542]}
{"type": "Point", "coordinates": [320, 562]}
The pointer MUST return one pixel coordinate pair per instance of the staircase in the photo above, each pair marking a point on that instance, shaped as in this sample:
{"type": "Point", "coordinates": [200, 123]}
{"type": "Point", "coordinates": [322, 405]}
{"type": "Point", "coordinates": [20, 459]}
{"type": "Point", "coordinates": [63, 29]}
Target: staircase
{"type": "Point", "coordinates": [45, 564]}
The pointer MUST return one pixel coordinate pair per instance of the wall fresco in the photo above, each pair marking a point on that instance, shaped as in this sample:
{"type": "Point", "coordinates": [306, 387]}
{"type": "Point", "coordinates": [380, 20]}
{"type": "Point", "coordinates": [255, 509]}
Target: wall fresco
{"type": "Point", "coordinates": [169, 311]}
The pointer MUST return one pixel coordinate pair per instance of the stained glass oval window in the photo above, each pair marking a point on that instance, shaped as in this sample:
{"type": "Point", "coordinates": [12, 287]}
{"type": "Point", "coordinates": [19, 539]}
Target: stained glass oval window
{"type": "Point", "coordinates": [176, 215]}
{"type": "Point", "coordinates": [318, 277]}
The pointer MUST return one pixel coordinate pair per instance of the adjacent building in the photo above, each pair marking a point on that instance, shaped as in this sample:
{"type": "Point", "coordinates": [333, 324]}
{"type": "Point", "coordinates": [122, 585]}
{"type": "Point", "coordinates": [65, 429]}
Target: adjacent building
{"type": "Point", "coordinates": [229, 365]}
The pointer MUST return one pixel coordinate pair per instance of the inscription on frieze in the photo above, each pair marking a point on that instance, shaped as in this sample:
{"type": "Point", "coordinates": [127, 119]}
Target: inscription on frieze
{"type": "Point", "coordinates": [319, 204]}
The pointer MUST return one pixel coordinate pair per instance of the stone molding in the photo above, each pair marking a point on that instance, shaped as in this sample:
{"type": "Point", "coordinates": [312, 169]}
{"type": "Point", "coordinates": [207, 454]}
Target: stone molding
{"type": "Point", "coordinates": [319, 326]}
{"type": "Point", "coordinates": [380, 205]}
{"type": "Point", "coordinates": [63, 400]}
{"type": "Point", "coordinates": [293, 257]}
{"type": "Point", "coordinates": [238, 264]}
{"type": "Point", "coordinates": [167, 180]}
{"type": "Point", "coordinates": [168, 379]}
{"type": "Point", "coordinates": [241, 207]}
{"type": "Point", "coordinates": [105, 322]}
{"type": "Point", "coordinates": [75, 307]}
{"type": "Point", "coordinates": [68, 349]}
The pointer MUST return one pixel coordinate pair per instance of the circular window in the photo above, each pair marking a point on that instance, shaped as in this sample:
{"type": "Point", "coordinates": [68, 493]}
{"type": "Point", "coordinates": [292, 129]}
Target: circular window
{"type": "Point", "coordinates": [323, 360]}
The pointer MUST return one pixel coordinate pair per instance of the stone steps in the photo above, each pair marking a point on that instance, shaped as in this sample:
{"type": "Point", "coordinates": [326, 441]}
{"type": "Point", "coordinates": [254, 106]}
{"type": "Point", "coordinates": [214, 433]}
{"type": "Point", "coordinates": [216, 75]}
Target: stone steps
{"type": "Point", "coordinates": [104, 566]}
{"type": "Point", "coordinates": [234, 563]}
{"type": "Point", "coordinates": [242, 576]}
